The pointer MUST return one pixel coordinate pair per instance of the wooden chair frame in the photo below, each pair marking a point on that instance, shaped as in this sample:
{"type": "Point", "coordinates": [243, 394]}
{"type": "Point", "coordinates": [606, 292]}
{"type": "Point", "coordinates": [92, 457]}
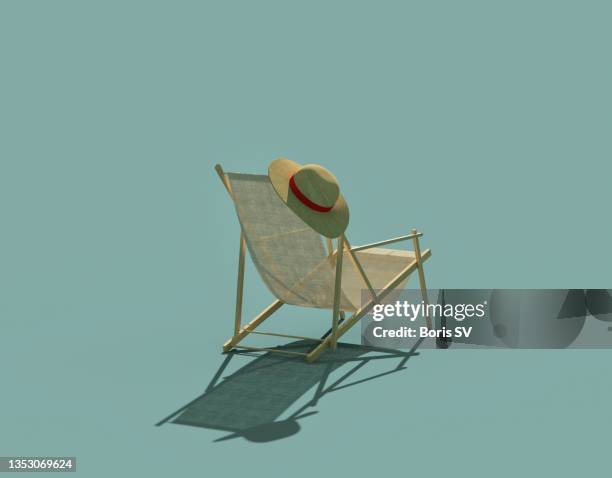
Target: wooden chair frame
{"type": "Point", "coordinates": [340, 324]}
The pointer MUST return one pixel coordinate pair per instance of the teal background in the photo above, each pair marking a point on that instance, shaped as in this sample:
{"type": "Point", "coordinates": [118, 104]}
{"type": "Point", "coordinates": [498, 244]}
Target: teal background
{"type": "Point", "coordinates": [486, 124]}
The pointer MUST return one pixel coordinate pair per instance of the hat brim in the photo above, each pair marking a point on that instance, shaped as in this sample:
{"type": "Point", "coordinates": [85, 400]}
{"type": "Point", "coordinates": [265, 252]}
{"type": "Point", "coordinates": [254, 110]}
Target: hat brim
{"type": "Point", "coordinates": [330, 224]}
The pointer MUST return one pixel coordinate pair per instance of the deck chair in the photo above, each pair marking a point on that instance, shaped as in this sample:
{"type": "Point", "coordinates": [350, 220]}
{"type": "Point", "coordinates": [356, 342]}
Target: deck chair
{"type": "Point", "coordinates": [302, 268]}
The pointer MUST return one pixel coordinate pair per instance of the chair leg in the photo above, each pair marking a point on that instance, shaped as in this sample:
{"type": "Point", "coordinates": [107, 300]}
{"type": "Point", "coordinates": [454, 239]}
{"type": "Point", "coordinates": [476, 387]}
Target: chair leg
{"type": "Point", "coordinates": [248, 328]}
{"type": "Point", "coordinates": [353, 319]}
{"type": "Point", "coordinates": [337, 292]}
{"type": "Point", "coordinates": [421, 272]}
{"type": "Point", "coordinates": [240, 284]}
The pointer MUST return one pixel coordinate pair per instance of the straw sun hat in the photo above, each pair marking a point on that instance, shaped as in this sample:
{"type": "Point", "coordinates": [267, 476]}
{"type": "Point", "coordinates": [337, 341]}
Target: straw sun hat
{"type": "Point", "coordinates": [311, 192]}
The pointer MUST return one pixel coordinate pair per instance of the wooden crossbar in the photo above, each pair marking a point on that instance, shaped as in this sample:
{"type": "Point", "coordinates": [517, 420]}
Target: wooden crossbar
{"type": "Point", "coordinates": [264, 349]}
{"type": "Point", "coordinates": [275, 334]}
{"type": "Point", "coordinates": [388, 241]}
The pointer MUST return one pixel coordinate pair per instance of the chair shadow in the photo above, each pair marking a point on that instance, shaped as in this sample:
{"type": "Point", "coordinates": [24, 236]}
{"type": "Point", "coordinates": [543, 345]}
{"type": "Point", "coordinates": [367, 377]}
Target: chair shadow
{"type": "Point", "coordinates": [249, 402]}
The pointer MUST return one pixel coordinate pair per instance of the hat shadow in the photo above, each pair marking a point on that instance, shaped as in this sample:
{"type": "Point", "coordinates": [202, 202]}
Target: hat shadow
{"type": "Point", "coordinates": [599, 304]}
{"type": "Point", "coordinates": [249, 402]}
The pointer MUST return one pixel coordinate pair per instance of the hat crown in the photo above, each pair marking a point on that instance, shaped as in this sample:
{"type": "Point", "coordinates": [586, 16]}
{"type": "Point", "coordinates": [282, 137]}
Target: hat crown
{"type": "Point", "coordinates": [317, 184]}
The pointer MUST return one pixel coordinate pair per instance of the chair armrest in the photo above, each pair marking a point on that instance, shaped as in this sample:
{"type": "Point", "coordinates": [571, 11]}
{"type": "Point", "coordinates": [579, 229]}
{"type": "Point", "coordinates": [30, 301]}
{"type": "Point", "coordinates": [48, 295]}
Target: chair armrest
{"type": "Point", "coordinates": [388, 241]}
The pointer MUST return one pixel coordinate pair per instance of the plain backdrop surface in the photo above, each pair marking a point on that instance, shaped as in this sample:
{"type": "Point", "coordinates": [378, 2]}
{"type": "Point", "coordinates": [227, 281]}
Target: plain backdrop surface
{"type": "Point", "coordinates": [485, 124]}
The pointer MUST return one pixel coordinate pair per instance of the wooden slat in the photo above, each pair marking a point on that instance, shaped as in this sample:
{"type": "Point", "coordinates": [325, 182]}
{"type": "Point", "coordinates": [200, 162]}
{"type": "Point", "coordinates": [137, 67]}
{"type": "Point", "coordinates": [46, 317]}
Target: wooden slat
{"type": "Point", "coordinates": [223, 178]}
{"type": "Point", "coordinates": [359, 268]}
